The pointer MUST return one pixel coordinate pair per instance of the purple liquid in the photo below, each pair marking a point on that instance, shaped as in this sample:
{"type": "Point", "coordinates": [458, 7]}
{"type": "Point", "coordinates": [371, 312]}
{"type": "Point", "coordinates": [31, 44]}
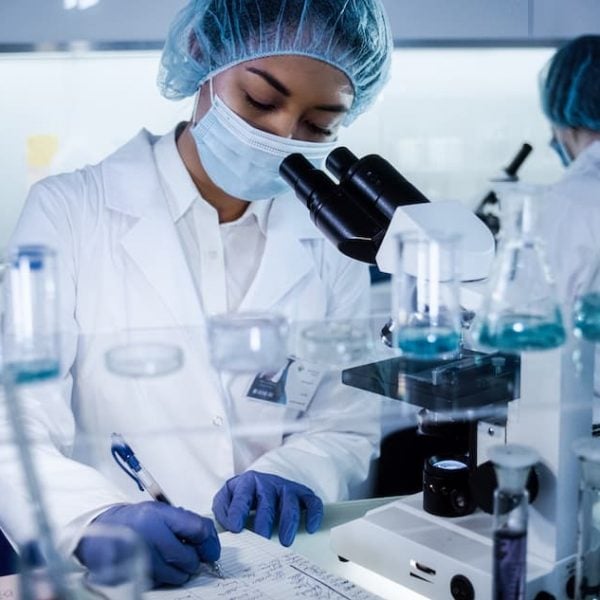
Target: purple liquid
{"type": "Point", "coordinates": [510, 558]}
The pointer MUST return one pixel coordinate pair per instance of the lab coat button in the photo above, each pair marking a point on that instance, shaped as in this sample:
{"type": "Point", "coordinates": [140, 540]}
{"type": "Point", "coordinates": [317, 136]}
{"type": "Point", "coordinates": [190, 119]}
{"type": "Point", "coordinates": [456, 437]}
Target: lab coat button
{"type": "Point", "coordinates": [217, 421]}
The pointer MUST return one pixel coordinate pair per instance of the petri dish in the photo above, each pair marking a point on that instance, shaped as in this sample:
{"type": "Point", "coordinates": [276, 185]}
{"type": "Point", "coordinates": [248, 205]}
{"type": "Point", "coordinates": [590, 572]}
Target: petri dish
{"type": "Point", "coordinates": [144, 359]}
{"type": "Point", "coordinates": [247, 342]}
{"type": "Point", "coordinates": [335, 343]}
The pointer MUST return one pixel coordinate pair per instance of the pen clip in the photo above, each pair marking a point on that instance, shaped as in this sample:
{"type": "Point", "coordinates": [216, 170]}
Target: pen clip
{"type": "Point", "coordinates": [125, 458]}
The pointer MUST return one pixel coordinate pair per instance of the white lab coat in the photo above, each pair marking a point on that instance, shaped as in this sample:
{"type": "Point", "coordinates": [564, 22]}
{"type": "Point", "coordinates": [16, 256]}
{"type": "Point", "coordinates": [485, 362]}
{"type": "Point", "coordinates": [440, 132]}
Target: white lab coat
{"type": "Point", "coordinates": [122, 267]}
{"type": "Point", "coordinates": [570, 226]}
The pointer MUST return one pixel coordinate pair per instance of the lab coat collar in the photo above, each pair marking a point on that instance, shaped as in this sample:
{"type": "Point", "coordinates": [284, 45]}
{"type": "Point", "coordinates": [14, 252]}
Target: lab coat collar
{"type": "Point", "coordinates": [286, 259]}
{"type": "Point", "coordinates": [132, 186]}
{"type": "Point", "coordinates": [131, 162]}
{"type": "Point", "coordinates": [589, 158]}
{"type": "Point", "coordinates": [171, 169]}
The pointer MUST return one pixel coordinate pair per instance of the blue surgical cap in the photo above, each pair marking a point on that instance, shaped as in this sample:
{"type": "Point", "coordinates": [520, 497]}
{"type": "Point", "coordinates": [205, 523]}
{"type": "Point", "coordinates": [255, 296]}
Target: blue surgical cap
{"type": "Point", "coordinates": [570, 85]}
{"type": "Point", "coordinates": [209, 36]}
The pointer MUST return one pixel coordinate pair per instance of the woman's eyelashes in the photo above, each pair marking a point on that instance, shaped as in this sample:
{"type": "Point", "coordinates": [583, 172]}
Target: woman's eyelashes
{"type": "Point", "coordinates": [259, 105]}
{"type": "Point", "coordinates": [268, 107]}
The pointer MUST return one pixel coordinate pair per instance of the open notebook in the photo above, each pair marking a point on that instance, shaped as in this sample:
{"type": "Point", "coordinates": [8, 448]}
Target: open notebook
{"type": "Point", "coordinates": [258, 569]}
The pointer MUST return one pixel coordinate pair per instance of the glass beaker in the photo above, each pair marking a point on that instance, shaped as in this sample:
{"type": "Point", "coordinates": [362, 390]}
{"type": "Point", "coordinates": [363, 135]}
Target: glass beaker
{"type": "Point", "coordinates": [520, 310]}
{"type": "Point", "coordinates": [588, 552]}
{"type": "Point", "coordinates": [586, 308]}
{"type": "Point", "coordinates": [119, 569]}
{"type": "Point", "coordinates": [425, 305]}
{"type": "Point", "coordinates": [512, 464]}
{"type": "Point", "coordinates": [31, 355]}
{"type": "Point", "coordinates": [248, 342]}
{"type": "Point", "coordinates": [30, 336]}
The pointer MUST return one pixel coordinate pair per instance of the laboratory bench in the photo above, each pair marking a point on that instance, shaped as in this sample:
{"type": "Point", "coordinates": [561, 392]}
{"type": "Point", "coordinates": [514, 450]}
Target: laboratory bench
{"type": "Point", "coordinates": [315, 547]}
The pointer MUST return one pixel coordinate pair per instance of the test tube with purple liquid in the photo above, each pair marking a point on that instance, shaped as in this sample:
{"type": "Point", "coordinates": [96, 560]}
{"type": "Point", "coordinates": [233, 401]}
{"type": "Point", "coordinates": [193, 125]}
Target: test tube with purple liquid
{"type": "Point", "coordinates": [511, 499]}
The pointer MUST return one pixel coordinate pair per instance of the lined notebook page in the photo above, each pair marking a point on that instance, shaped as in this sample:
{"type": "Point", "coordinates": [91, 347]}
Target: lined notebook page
{"type": "Point", "coordinates": [258, 569]}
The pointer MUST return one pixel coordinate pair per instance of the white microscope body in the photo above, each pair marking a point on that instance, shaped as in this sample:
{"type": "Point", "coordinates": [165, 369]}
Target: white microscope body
{"type": "Point", "coordinates": [443, 557]}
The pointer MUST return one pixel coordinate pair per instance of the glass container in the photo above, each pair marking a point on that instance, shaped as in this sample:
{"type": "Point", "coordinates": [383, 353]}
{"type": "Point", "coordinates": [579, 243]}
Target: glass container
{"type": "Point", "coordinates": [248, 342]}
{"type": "Point", "coordinates": [588, 551]}
{"type": "Point", "coordinates": [586, 309]}
{"type": "Point", "coordinates": [520, 310]}
{"type": "Point", "coordinates": [425, 304]}
{"type": "Point", "coordinates": [30, 336]}
{"type": "Point", "coordinates": [512, 464]}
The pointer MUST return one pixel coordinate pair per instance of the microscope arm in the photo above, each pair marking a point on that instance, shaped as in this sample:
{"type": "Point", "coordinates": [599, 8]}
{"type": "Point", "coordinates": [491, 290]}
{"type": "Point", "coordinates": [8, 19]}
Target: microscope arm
{"type": "Point", "coordinates": [373, 203]}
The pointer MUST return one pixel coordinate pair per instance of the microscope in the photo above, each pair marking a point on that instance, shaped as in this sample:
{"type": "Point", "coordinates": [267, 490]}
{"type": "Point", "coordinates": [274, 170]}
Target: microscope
{"type": "Point", "coordinates": [438, 542]}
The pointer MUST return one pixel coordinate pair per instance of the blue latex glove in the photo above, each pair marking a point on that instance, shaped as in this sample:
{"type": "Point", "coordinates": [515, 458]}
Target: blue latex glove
{"type": "Point", "coordinates": [273, 498]}
{"type": "Point", "coordinates": [177, 540]}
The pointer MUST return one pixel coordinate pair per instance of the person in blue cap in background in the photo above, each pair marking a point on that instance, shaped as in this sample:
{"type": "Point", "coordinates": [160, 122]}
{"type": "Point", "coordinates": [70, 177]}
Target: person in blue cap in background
{"type": "Point", "coordinates": [172, 229]}
{"type": "Point", "coordinates": [570, 210]}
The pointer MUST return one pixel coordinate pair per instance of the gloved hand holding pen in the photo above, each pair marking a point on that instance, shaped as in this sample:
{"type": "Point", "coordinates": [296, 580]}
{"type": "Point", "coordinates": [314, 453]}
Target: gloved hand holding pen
{"type": "Point", "coordinates": [178, 540]}
{"type": "Point", "coordinates": [274, 498]}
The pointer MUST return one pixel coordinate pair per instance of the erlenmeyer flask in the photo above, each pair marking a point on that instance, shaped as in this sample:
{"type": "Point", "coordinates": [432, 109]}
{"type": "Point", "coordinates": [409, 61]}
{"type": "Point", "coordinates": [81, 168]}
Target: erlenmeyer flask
{"type": "Point", "coordinates": [586, 309]}
{"type": "Point", "coordinates": [521, 310]}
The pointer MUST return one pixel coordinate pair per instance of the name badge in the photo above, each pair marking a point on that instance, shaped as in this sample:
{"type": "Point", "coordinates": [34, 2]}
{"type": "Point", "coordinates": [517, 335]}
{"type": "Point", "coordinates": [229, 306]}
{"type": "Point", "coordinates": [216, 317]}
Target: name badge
{"type": "Point", "coordinates": [293, 386]}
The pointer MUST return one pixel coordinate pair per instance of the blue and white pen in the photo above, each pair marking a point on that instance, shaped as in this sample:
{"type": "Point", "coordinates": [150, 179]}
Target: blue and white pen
{"type": "Point", "coordinates": [127, 460]}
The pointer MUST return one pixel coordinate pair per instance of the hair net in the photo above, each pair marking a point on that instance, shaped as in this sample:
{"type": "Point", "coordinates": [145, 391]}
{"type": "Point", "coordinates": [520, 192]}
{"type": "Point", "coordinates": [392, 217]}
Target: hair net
{"type": "Point", "coordinates": [570, 84]}
{"type": "Point", "coordinates": [209, 36]}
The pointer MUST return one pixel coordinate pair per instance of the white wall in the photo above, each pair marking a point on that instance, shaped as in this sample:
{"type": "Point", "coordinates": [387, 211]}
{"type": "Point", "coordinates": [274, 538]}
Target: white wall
{"type": "Point", "coordinates": [448, 119]}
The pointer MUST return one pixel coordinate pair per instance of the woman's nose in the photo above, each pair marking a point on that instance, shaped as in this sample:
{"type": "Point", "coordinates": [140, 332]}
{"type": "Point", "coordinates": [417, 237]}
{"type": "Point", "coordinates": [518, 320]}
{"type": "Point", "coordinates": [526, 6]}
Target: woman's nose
{"type": "Point", "coordinates": [282, 125]}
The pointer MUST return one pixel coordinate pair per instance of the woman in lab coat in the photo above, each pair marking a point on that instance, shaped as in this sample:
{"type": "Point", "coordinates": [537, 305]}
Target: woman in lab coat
{"type": "Point", "coordinates": [570, 213]}
{"type": "Point", "coordinates": [170, 230]}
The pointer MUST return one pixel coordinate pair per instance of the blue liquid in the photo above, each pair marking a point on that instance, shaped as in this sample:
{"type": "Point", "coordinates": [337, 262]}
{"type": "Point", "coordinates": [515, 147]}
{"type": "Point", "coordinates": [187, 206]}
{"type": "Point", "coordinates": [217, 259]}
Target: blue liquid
{"type": "Point", "coordinates": [427, 342]}
{"type": "Point", "coordinates": [587, 317]}
{"type": "Point", "coordinates": [510, 560]}
{"type": "Point", "coordinates": [523, 332]}
{"type": "Point", "coordinates": [33, 371]}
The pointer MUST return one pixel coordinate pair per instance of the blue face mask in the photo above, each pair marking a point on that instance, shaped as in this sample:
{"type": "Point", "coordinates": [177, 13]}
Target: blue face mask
{"type": "Point", "coordinates": [244, 161]}
{"type": "Point", "coordinates": [565, 157]}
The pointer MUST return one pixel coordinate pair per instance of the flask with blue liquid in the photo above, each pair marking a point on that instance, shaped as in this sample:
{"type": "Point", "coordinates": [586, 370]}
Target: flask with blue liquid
{"type": "Point", "coordinates": [520, 311]}
{"type": "Point", "coordinates": [586, 309]}
{"type": "Point", "coordinates": [425, 299]}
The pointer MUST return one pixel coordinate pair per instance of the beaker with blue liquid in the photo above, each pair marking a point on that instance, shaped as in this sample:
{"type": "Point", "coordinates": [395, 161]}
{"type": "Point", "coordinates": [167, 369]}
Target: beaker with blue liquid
{"type": "Point", "coordinates": [31, 345]}
{"type": "Point", "coordinates": [425, 300]}
{"type": "Point", "coordinates": [586, 307]}
{"type": "Point", "coordinates": [520, 311]}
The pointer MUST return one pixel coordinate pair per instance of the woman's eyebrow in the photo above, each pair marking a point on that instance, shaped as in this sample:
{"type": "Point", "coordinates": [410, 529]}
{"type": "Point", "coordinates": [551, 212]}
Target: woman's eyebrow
{"type": "Point", "coordinates": [336, 108]}
{"type": "Point", "coordinates": [276, 84]}
{"type": "Point", "coordinates": [270, 80]}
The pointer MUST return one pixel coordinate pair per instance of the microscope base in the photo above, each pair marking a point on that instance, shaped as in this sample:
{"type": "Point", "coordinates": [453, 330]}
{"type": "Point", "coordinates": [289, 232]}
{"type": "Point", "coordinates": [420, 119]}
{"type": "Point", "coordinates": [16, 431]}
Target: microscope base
{"type": "Point", "coordinates": [432, 555]}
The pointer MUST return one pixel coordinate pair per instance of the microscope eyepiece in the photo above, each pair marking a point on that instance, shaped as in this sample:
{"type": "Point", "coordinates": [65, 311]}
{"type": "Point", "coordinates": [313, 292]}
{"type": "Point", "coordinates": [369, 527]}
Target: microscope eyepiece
{"type": "Point", "coordinates": [355, 212]}
{"type": "Point", "coordinates": [340, 161]}
{"type": "Point", "coordinates": [294, 167]}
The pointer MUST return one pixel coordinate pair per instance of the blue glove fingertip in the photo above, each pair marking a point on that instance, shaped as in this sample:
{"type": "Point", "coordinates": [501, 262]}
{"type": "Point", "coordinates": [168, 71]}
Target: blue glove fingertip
{"type": "Point", "coordinates": [287, 536]}
{"type": "Point", "coordinates": [313, 522]}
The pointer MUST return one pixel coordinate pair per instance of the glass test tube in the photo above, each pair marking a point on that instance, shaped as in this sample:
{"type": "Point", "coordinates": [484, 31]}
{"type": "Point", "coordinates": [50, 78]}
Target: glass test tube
{"type": "Point", "coordinates": [31, 354]}
{"type": "Point", "coordinates": [588, 552]}
{"type": "Point", "coordinates": [512, 464]}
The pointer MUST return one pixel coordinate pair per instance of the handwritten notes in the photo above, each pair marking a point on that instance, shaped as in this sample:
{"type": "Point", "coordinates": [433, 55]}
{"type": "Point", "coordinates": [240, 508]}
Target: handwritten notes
{"type": "Point", "coordinates": [257, 569]}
